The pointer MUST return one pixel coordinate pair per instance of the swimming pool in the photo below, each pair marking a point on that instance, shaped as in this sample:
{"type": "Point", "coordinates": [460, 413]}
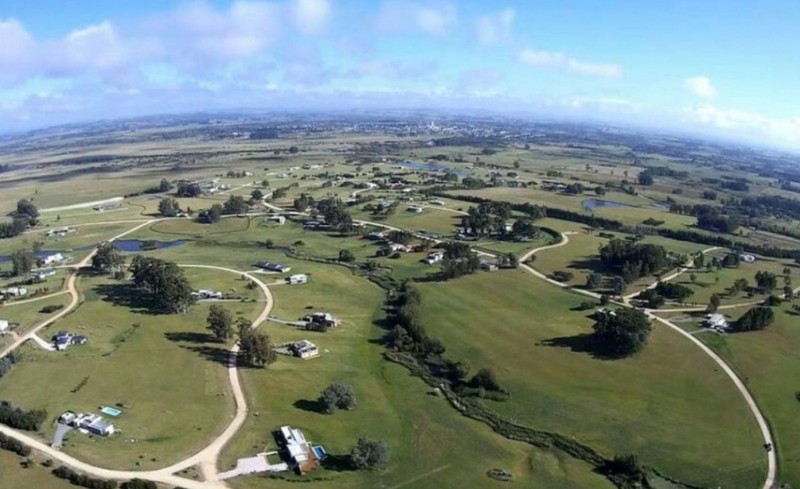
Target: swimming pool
{"type": "Point", "coordinates": [320, 453]}
{"type": "Point", "coordinates": [110, 411]}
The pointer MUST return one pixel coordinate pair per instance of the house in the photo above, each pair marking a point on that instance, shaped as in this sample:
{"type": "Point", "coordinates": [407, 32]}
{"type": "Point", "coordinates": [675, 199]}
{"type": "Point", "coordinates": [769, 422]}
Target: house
{"type": "Point", "coordinates": [434, 257]}
{"type": "Point", "coordinates": [4, 326]}
{"type": "Point", "coordinates": [747, 258]}
{"type": "Point", "coordinates": [322, 318]}
{"type": "Point", "coordinates": [43, 274]}
{"type": "Point", "coordinates": [488, 266]}
{"type": "Point", "coordinates": [59, 232]}
{"type": "Point", "coordinates": [304, 349]}
{"type": "Point", "coordinates": [302, 457]}
{"type": "Point", "coordinates": [274, 267]}
{"type": "Point", "coordinates": [54, 258]}
{"type": "Point", "coordinates": [14, 291]}
{"type": "Point", "coordinates": [207, 294]}
{"type": "Point", "coordinates": [78, 340]}
{"type": "Point", "coordinates": [300, 278]}
{"type": "Point", "coordinates": [62, 340]}
{"type": "Point", "coordinates": [376, 235]}
{"type": "Point", "coordinates": [415, 209]}
{"type": "Point", "coordinates": [93, 423]}
{"type": "Point", "coordinates": [281, 220]}
{"type": "Point", "coordinates": [716, 321]}
{"type": "Point", "coordinates": [397, 247]}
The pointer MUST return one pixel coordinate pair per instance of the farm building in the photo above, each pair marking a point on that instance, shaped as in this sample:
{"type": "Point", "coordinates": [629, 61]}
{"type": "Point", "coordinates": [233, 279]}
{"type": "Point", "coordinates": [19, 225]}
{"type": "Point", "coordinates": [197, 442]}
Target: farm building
{"type": "Point", "coordinates": [59, 232]}
{"type": "Point", "coordinates": [304, 349]}
{"type": "Point", "coordinates": [54, 258]}
{"type": "Point", "coordinates": [4, 326]}
{"type": "Point", "coordinates": [322, 318]}
{"type": "Point", "coordinates": [274, 267]}
{"type": "Point", "coordinates": [415, 209]}
{"type": "Point", "coordinates": [207, 294]}
{"type": "Point", "coordinates": [747, 258]}
{"type": "Point", "coordinates": [62, 340]}
{"type": "Point", "coordinates": [43, 273]}
{"type": "Point", "coordinates": [280, 220]}
{"type": "Point", "coordinates": [300, 278]}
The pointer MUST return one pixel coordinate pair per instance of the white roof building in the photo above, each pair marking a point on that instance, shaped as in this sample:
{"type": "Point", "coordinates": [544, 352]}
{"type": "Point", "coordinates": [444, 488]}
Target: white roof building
{"type": "Point", "coordinates": [716, 320]}
{"type": "Point", "coordinates": [3, 325]}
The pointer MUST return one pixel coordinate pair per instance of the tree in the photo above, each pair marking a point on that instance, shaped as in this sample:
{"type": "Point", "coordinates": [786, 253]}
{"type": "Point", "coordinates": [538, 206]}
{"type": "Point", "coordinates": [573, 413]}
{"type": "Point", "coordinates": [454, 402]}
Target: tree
{"type": "Point", "coordinates": [513, 260]}
{"type": "Point", "coordinates": [169, 207]}
{"type": "Point", "coordinates": [485, 379]}
{"type": "Point", "coordinates": [618, 285]}
{"type": "Point", "coordinates": [766, 282]}
{"type": "Point", "coordinates": [622, 332]}
{"type": "Point", "coordinates": [26, 208]}
{"type": "Point", "coordinates": [346, 256]}
{"type": "Point", "coordinates": [645, 178]}
{"type": "Point", "coordinates": [22, 262]}
{"type": "Point", "coordinates": [211, 215]}
{"type": "Point", "coordinates": [188, 190]}
{"type": "Point", "coordinates": [255, 347]}
{"type": "Point", "coordinates": [338, 396]}
{"type": "Point", "coordinates": [369, 454]}
{"type": "Point", "coordinates": [257, 195]}
{"type": "Point", "coordinates": [139, 484]}
{"type": "Point", "coordinates": [235, 205]}
{"type": "Point", "coordinates": [713, 303]}
{"type": "Point", "coordinates": [163, 282]}
{"type": "Point", "coordinates": [788, 292]}
{"type": "Point", "coordinates": [594, 280]}
{"type": "Point", "coordinates": [693, 278]}
{"type": "Point", "coordinates": [294, 149]}
{"type": "Point", "coordinates": [220, 323]}
{"type": "Point", "coordinates": [108, 258]}
{"type": "Point", "coordinates": [164, 186]}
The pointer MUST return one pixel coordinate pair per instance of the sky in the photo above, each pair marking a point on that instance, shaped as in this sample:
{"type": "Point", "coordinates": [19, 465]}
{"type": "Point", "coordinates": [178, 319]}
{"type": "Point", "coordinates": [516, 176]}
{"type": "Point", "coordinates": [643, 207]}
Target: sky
{"type": "Point", "coordinates": [723, 68]}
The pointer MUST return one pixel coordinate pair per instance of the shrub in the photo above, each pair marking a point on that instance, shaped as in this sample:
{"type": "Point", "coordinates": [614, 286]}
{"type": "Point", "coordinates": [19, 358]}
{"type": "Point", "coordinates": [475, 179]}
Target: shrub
{"type": "Point", "coordinates": [12, 445]}
{"type": "Point", "coordinates": [369, 454]}
{"type": "Point", "coordinates": [51, 308]}
{"type": "Point", "coordinates": [338, 396]}
{"type": "Point", "coordinates": [82, 479]}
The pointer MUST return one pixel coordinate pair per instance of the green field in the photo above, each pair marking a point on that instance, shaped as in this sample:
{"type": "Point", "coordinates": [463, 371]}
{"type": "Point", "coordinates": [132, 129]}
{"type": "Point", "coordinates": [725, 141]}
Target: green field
{"type": "Point", "coordinates": [422, 430]}
{"type": "Point", "coordinates": [682, 417]}
{"type": "Point", "coordinates": [162, 368]}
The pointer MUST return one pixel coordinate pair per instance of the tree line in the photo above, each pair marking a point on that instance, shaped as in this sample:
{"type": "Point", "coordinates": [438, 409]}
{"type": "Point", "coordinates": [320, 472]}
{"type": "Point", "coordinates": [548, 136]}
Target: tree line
{"type": "Point", "coordinates": [21, 419]}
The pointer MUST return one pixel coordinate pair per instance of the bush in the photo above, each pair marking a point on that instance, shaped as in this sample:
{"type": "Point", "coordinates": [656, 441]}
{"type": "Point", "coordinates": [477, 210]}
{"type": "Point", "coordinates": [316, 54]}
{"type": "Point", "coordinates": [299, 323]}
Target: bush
{"type": "Point", "coordinates": [12, 445]}
{"type": "Point", "coordinates": [369, 454]}
{"type": "Point", "coordinates": [51, 308]}
{"type": "Point", "coordinates": [562, 276]}
{"type": "Point", "coordinates": [139, 484]}
{"type": "Point", "coordinates": [338, 396]}
{"type": "Point", "coordinates": [486, 379]}
{"type": "Point", "coordinates": [20, 419]}
{"type": "Point", "coordinates": [622, 332]}
{"type": "Point", "coordinates": [82, 479]}
{"type": "Point", "coordinates": [755, 319]}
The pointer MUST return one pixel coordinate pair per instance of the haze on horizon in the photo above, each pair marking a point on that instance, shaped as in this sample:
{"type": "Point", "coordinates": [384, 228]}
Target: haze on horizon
{"type": "Point", "coordinates": [717, 68]}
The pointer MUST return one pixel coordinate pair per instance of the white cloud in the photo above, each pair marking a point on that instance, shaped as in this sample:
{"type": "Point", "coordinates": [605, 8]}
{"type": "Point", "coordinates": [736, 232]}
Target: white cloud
{"type": "Point", "coordinates": [96, 48]}
{"type": "Point", "coordinates": [17, 50]}
{"type": "Point", "coordinates": [700, 86]}
{"type": "Point", "coordinates": [495, 28]}
{"type": "Point", "coordinates": [393, 70]}
{"type": "Point", "coordinates": [560, 61]}
{"type": "Point", "coordinates": [433, 18]}
{"type": "Point", "coordinates": [750, 126]}
{"type": "Point", "coordinates": [311, 16]}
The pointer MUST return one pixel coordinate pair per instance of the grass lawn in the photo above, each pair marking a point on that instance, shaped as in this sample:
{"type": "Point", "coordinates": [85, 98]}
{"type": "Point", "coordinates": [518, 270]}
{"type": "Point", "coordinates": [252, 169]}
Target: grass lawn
{"type": "Point", "coordinates": [769, 363]}
{"type": "Point", "coordinates": [681, 416]}
{"type": "Point", "coordinates": [13, 476]}
{"type": "Point", "coordinates": [422, 430]}
{"type": "Point", "coordinates": [162, 368]}
{"type": "Point", "coordinates": [28, 315]}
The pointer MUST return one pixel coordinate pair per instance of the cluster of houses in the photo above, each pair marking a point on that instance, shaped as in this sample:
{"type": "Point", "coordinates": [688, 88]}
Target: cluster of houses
{"type": "Point", "coordinates": [89, 423]}
{"type": "Point", "coordinates": [716, 322]}
{"type": "Point", "coordinates": [207, 294]}
{"type": "Point", "coordinates": [63, 340]}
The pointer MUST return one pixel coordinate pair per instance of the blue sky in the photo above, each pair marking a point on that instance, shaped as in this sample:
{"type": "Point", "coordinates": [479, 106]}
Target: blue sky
{"type": "Point", "coordinates": [724, 68]}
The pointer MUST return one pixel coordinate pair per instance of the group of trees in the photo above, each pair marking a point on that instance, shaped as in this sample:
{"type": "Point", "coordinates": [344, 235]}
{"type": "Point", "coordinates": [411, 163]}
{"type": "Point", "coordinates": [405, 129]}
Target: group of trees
{"type": "Point", "coordinates": [369, 454]}
{"type": "Point", "coordinates": [164, 283]}
{"type": "Point", "coordinates": [6, 363]}
{"type": "Point", "coordinates": [717, 222]}
{"type": "Point", "coordinates": [409, 335]}
{"type": "Point", "coordinates": [489, 218]}
{"type": "Point", "coordinates": [459, 259]}
{"type": "Point", "coordinates": [83, 480]}
{"type": "Point", "coordinates": [169, 207]}
{"type": "Point", "coordinates": [21, 419]}
{"type": "Point", "coordinates": [211, 215]}
{"type": "Point", "coordinates": [186, 189]}
{"type": "Point", "coordinates": [26, 215]}
{"type": "Point", "coordinates": [13, 445]}
{"type": "Point", "coordinates": [622, 332]}
{"type": "Point", "coordinates": [255, 346]}
{"type": "Point", "coordinates": [236, 204]}
{"type": "Point", "coordinates": [634, 260]}
{"type": "Point", "coordinates": [22, 262]}
{"type": "Point", "coordinates": [755, 319]}
{"type": "Point", "coordinates": [766, 282]}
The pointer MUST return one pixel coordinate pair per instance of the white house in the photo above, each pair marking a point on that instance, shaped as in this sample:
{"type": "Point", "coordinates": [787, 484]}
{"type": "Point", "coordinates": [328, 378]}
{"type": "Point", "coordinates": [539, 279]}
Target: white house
{"type": "Point", "coordinates": [93, 423]}
{"type": "Point", "coordinates": [207, 294]}
{"type": "Point", "coordinates": [54, 258]}
{"type": "Point", "coordinates": [280, 220]}
{"type": "Point", "coordinates": [434, 257]}
{"type": "Point", "coordinates": [304, 349]}
{"type": "Point", "coordinates": [715, 321]}
{"type": "Point", "coordinates": [300, 278]}
{"type": "Point", "coordinates": [14, 291]}
{"type": "Point", "coordinates": [301, 455]}
{"type": "Point", "coordinates": [43, 273]}
{"type": "Point", "coordinates": [747, 257]}
{"type": "Point", "coordinates": [4, 326]}
{"type": "Point", "coordinates": [399, 248]}
{"type": "Point", "coordinates": [415, 209]}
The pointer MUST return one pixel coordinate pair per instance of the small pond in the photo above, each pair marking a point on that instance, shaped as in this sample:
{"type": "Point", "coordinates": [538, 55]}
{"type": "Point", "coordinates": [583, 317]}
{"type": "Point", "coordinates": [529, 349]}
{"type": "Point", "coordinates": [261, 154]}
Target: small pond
{"type": "Point", "coordinates": [592, 204]}
{"type": "Point", "coordinates": [134, 245]}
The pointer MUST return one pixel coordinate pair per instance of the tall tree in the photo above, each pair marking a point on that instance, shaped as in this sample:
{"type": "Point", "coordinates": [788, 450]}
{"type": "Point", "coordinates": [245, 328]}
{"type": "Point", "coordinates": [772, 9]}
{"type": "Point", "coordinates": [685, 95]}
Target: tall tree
{"type": "Point", "coordinates": [26, 208]}
{"type": "Point", "coordinates": [220, 323]}
{"type": "Point", "coordinates": [623, 331]}
{"type": "Point", "coordinates": [108, 258]}
{"type": "Point", "coordinates": [164, 186]}
{"type": "Point", "coordinates": [164, 282]}
{"type": "Point", "coordinates": [22, 262]}
{"type": "Point", "coordinates": [255, 347]}
{"type": "Point", "coordinates": [369, 454]}
{"type": "Point", "coordinates": [168, 207]}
